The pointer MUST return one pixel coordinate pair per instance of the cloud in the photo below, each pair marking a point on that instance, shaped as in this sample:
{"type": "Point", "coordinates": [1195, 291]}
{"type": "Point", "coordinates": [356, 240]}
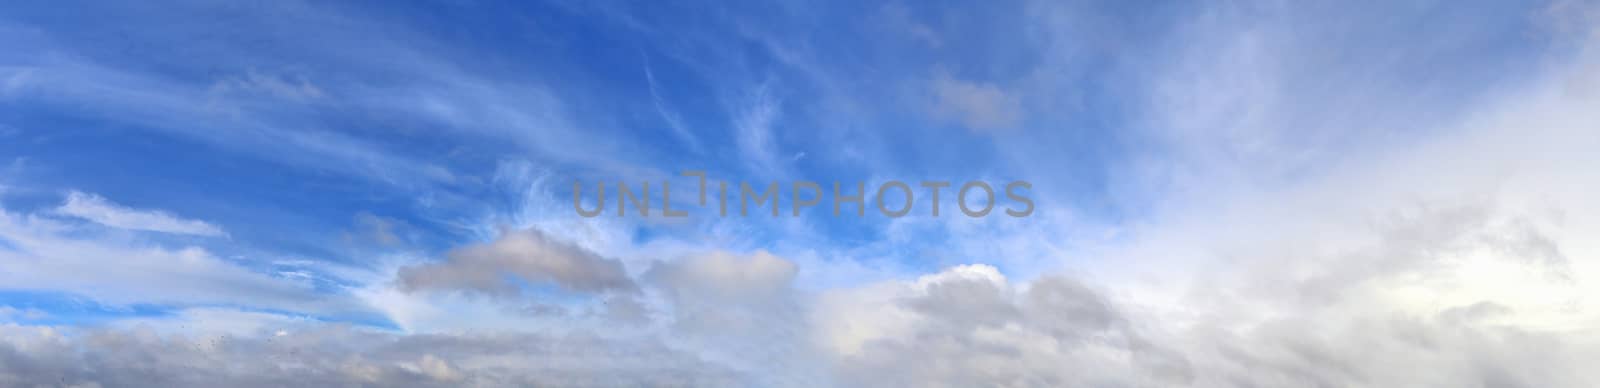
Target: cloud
{"type": "Point", "coordinates": [526, 254]}
{"type": "Point", "coordinates": [980, 329]}
{"type": "Point", "coordinates": [671, 117]}
{"type": "Point", "coordinates": [1460, 256]}
{"type": "Point", "coordinates": [15, 78]}
{"type": "Point", "coordinates": [971, 326]}
{"type": "Point", "coordinates": [1463, 253]}
{"type": "Point", "coordinates": [976, 105]}
{"type": "Point", "coordinates": [1348, 318]}
{"type": "Point", "coordinates": [289, 88]}
{"type": "Point", "coordinates": [754, 131]}
{"type": "Point", "coordinates": [729, 317]}
{"type": "Point", "coordinates": [897, 18]}
{"type": "Point", "coordinates": [97, 209]}
{"type": "Point", "coordinates": [47, 254]}
{"type": "Point", "coordinates": [331, 355]}
{"type": "Point", "coordinates": [722, 295]}
{"type": "Point", "coordinates": [378, 229]}
{"type": "Point", "coordinates": [739, 310]}
{"type": "Point", "coordinates": [721, 277]}
{"type": "Point", "coordinates": [8, 312]}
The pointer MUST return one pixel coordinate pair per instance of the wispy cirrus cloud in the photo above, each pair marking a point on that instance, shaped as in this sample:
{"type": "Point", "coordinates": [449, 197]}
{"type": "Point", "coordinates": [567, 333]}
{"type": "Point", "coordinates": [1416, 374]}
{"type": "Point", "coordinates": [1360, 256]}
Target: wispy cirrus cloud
{"type": "Point", "coordinates": [46, 253]}
{"type": "Point", "coordinates": [102, 211]}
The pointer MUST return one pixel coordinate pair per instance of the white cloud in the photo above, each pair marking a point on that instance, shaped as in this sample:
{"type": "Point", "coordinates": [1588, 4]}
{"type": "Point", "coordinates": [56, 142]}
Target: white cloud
{"type": "Point", "coordinates": [970, 326]}
{"type": "Point", "coordinates": [95, 208]}
{"type": "Point", "coordinates": [333, 355]}
{"type": "Point", "coordinates": [8, 312]}
{"type": "Point", "coordinates": [753, 123]}
{"type": "Point", "coordinates": [671, 117]}
{"type": "Point", "coordinates": [47, 254]}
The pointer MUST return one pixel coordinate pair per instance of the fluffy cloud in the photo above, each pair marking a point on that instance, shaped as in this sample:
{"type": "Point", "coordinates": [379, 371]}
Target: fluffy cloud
{"type": "Point", "coordinates": [527, 254]}
{"type": "Point", "coordinates": [1445, 292]}
{"type": "Point", "coordinates": [970, 326]}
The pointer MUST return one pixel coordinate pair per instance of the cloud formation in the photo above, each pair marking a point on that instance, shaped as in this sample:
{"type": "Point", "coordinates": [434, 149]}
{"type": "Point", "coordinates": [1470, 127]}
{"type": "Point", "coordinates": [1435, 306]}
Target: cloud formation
{"type": "Point", "coordinates": [975, 105]}
{"type": "Point", "coordinates": [525, 254]}
{"type": "Point", "coordinates": [44, 253]}
{"type": "Point", "coordinates": [1272, 229]}
{"type": "Point", "coordinates": [97, 209]}
{"type": "Point", "coordinates": [340, 356]}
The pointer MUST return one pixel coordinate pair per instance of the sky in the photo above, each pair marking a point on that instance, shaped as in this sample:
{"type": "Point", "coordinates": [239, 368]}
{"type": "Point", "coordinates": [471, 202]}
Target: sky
{"type": "Point", "coordinates": [1225, 193]}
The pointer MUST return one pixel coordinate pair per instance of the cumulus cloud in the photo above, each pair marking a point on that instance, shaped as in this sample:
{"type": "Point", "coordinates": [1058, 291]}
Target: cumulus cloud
{"type": "Point", "coordinates": [99, 210]}
{"type": "Point", "coordinates": [526, 254]}
{"type": "Point", "coordinates": [1437, 291]}
{"type": "Point", "coordinates": [970, 326]}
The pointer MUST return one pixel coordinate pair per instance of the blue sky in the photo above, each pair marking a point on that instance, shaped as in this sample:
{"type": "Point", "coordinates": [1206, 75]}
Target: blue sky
{"type": "Point", "coordinates": [388, 168]}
